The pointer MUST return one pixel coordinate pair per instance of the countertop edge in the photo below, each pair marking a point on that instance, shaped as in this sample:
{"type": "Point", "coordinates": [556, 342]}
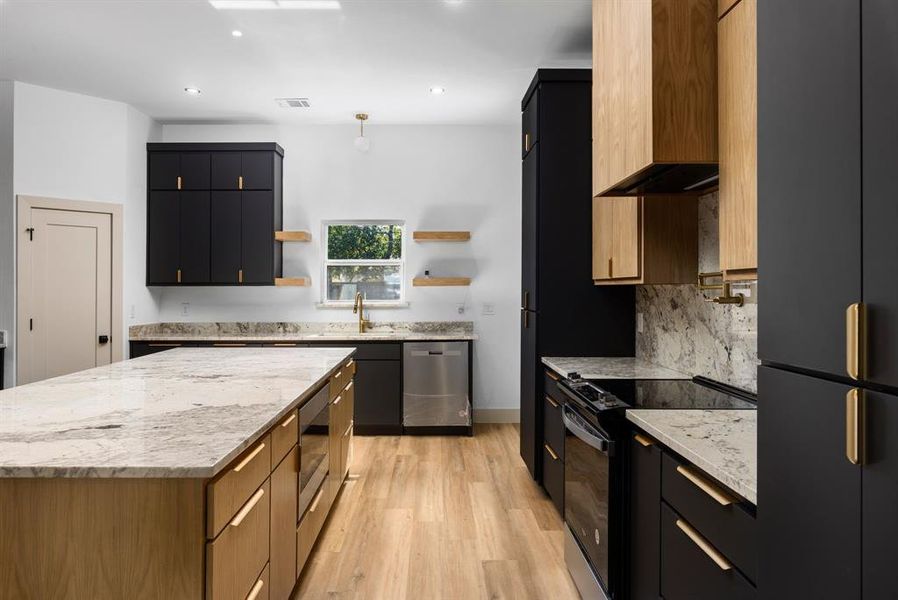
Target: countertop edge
{"type": "Point", "coordinates": [660, 372]}
{"type": "Point", "coordinates": [370, 337]}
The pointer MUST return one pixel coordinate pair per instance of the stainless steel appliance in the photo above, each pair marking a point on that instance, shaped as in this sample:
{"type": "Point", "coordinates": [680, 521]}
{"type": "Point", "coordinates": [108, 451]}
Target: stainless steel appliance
{"type": "Point", "coordinates": [314, 443]}
{"type": "Point", "coordinates": [436, 385]}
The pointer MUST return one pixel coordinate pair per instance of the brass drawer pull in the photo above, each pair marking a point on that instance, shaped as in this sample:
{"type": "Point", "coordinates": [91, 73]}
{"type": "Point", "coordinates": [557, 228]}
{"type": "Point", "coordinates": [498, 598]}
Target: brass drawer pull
{"type": "Point", "coordinates": [179, 275]}
{"type": "Point", "coordinates": [856, 340]}
{"type": "Point", "coordinates": [706, 547]}
{"type": "Point", "coordinates": [238, 518]}
{"type": "Point", "coordinates": [337, 401]}
{"type": "Point", "coordinates": [338, 374]}
{"type": "Point", "coordinates": [316, 500]}
{"type": "Point", "coordinates": [351, 363]}
{"type": "Point", "coordinates": [348, 429]}
{"type": "Point", "coordinates": [712, 490]}
{"type": "Point", "coordinates": [240, 182]}
{"type": "Point", "coordinates": [254, 593]}
{"type": "Point", "coordinates": [645, 441]}
{"type": "Point", "coordinates": [855, 409]}
{"type": "Point", "coordinates": [551, 401]}
{"type": "Point", "coordinates": [249, 457]}
{"type": "Point", "coordinates": [290, 420]}
{"type": "Point", "coordinates": [285, 345]}
{"type": "Point", "coordinates": [349, 385]}
{"type": "Point", "coordinates": [552, 375]}
{"type": "Point", "coordinates": [550, 451]}
{"type": "Point", "coordinates": [179, 182]}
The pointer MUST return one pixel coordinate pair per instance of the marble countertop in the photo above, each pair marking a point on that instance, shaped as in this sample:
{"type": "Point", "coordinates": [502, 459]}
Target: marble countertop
{"type": "Point", "coordinates": [183, 413]}
{"type": "Point", "coordinates": [722, 443]}
{"type": "Point", "coordinates": [299, 332]}
{"type": "Point", "coordinates": [611, 367]}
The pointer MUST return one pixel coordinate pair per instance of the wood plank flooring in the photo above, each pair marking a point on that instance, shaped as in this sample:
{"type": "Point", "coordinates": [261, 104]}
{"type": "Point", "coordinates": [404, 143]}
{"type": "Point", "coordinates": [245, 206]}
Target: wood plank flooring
{"type": "Point", "coordinates": [430, 518]}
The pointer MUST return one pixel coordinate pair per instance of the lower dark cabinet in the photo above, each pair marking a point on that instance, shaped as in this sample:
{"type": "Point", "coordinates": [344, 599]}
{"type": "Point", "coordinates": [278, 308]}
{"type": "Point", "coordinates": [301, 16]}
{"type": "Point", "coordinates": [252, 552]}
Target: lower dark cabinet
{"type": "Point", "coordinates": [553, 476]}
{"type": "Point", "coordinates": [645, 518]}
{"type": "Point", "coordinates": [378, 397]}
{"type": "Point", "coordinates": [880, 497]}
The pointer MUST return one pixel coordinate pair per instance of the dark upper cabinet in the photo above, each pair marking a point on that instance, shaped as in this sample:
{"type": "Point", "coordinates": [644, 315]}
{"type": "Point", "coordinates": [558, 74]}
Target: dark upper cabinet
{"type": "Point", "coordinates": [203, 229]}
{"type": "Point", "coordinates": [880, 212]}
{"type": "Point", "coordinates": [809, 494]}
{"type": "Point", "coordinates": [880, 496]}
{"type": "Point", "coordinates": [809, 179]}
{"type": "Point", "coordinates": [378, 396]}
{"type": "Point", "coordinates": [529, 125]}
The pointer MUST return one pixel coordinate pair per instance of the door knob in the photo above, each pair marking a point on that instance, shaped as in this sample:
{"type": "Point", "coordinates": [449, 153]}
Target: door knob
{"type": "Point", "coordinates": [104, 339]}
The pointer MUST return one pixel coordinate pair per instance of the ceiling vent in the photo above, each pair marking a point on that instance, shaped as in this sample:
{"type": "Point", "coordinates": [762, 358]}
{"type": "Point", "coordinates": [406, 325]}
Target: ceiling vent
{"type": "Point", "coordinates": [293, 102]}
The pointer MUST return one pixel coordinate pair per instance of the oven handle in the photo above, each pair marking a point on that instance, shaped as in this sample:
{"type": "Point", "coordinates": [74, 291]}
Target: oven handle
{"type": "Point", "coordinates": [589, 435]}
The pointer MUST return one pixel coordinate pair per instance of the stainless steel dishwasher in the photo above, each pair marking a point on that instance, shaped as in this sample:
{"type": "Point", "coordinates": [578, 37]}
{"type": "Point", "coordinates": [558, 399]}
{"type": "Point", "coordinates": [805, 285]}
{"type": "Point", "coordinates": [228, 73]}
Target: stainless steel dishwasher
{"type": "Point", "coordinates": [435, 384]}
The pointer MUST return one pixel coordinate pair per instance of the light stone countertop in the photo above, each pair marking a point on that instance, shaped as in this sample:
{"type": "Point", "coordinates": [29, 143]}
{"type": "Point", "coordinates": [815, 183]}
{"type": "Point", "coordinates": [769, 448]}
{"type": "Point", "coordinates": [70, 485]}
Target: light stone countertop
{"type": "Point", "coordinates": [302, 331]}
{"type": "Point", "coordinates": [183, 413]}
{"type": "Point", "coordinates": [722, 443]}
{"type": "Point", "coordinates": [611, 367]}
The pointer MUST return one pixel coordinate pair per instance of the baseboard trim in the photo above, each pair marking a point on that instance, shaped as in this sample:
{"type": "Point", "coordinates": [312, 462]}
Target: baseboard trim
{"type": "Point", "coordinates": [497, 415]}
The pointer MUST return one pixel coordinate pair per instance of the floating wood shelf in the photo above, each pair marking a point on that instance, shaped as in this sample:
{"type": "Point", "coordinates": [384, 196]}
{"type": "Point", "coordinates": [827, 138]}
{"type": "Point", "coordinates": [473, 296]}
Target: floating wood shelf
{"type": "Point", "coordinates": [441, 236]}
{"type": "Point", "coordinates": [293, 281]}
{"type": "Point", "coordinates": [292, 236]}
{"type": "Point", "coordinates": [440, 281]}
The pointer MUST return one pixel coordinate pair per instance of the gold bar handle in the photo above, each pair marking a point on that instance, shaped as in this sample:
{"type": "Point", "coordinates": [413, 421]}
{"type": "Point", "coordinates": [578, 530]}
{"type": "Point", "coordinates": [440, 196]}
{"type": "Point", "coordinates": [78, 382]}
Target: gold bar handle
{"type": "Point", "coordinates": [526, 142]}
{"type": "Point", "coordinates": [712, 490]}
{"type": "Point", "coordinates": [240, 182]}
{"type": "Point", "coordinates": [179, 275]}
{"type": "Point", "coordinates": [239, 275]}
{"type": "Point", "coordinates": [257, 589]}
{"type": "Point", "coordinates": [550, 451]}
{"type": "Point", "coordinates": [238, 518]}
{"type": "Point", "coordinates": [856, 340]}
{"type": "Point", "coordinates": [249, 457]}
{"type": "Point", "coordinates": [179, 182]}
{"type": "Point", "coordinates": [706, 547]}
{"type": "Point", "coordinates": [349, 386]}
{"type": "Point", "coordinates": [552, 375]}
{"type": "Point", "coordinates": [337, 401]}
{"type": "Point", "coordinates": [551, 401]}
{"type": "Point", "coordinates": [855, 426]}
{"type": "Point", "coordinates": [348, 429]}
{"type": "Point", "coordinates": [289, 420]}
{"type": "Point", "coordinates": [316, 500]}
{"type": "Point", "coordinates": [645, 441]}
{"type": "Point", "coordinates": [285, 345]}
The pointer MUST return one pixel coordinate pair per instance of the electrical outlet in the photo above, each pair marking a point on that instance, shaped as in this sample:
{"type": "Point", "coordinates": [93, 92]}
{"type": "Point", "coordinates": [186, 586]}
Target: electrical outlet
{"type": "Point", "coordinates": [640, 323]}
{"type": "Point", "coordinates": [185, 309]}
{"type": "Point", "coordinates": [489, 309]}
{"type": "Point", "coordinates": [460, 308]}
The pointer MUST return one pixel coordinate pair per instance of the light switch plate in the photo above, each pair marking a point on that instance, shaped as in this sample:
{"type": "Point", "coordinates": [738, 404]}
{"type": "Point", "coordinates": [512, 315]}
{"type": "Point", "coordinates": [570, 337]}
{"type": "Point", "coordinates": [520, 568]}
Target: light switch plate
{"type": "Point", "coordinates": [489, 309]}
{"type": "Point", "coordinates": [185, 308]}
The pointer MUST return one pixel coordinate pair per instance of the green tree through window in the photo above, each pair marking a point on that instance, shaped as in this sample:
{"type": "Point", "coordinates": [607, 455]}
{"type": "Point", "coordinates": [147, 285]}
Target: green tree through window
{"type": "Point", "coordinates": [364, 258]}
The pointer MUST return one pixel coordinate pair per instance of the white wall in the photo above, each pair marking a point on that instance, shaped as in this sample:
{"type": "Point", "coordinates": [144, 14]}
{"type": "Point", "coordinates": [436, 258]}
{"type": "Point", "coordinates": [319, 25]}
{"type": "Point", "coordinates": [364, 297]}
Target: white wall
{"type": "Point", "coordinates": [78, 147]}
{"type": "Point", "coordinates": [7, 224]}
{"type": "Point", "coordinates": [432, 177]}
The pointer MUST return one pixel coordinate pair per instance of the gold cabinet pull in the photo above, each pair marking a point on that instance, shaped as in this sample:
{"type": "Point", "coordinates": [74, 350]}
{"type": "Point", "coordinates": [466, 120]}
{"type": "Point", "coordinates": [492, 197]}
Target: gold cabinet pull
{"type": "Point", "coordinates": [712, 490]}
{"type": "Point", "coordinates": [645, 441]}
{"type": "Point", "coordinates": [706, 547]}
{"type": "Point", "coordinates": [238, 518]}
{"type": "Point", "coordinates": [856, 340]}
{"type": "Point", "coordinates": [179, 275]}
{"type": "Point", "coordinates": [337, 401]}
{"type": "Point", "coordinates": [855, 426]}
{"type": "Point", "coordinates": [550, 451]}
{"type": "Point", "coordinates": [284, 345]}
{"type": "Point", "coordinates": [289, 420]}
{"type": "Point", "coordinates": [239, 275]}
{"type": "Point", "coordinates": [552, 375]}
{"type": "Point", "coordinates": [551, 401]}
{"type": "Point", "coordinates": [348, 429]}
{"type": "Point", "coordinates": [240, 182]}
{"type": "Point", "coordinates": [349, 386]}
{"type": "Point", "coordinates": [316, 500]}
{"type": "Point", "coordinates": [257, 589]}
{"type": "Point", "coordinates": [179, 182]}
{"type": "Point", "coordinates": [249, 457]}
{"type": "Point", "coordinates": [526, 142]}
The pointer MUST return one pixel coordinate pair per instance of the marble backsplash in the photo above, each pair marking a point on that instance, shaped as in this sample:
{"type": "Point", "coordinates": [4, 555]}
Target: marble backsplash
{"type": "Point", "coordinates": [682, 331]}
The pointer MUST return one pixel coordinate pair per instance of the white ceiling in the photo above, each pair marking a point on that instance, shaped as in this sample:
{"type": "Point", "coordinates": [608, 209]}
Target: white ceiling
{"type": "Point", "coordinates": [377, 56]}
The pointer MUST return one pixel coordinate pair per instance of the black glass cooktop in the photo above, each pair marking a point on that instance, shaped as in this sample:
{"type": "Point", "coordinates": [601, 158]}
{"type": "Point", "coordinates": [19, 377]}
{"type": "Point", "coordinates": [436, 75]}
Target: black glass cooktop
{"type": "Point", "coordinates": [698, 393]}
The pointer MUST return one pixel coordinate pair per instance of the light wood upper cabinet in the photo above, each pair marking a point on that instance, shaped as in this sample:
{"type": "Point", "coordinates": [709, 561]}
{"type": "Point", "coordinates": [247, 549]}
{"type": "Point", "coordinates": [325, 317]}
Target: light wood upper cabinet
{"type": "Point", "coordinates": [738, 80]}
{"type": "Point", "coordinates": [651, 240]}
{"type": "Point", "coordinates": [654, 94]}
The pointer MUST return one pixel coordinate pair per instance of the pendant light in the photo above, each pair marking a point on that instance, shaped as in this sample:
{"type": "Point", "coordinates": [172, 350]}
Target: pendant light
{"type": "Point", "coordinates": [362, 144]}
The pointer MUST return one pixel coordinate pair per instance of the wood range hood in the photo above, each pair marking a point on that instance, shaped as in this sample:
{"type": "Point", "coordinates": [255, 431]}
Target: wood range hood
{"type": "Point", "coordinates": [654, 97]}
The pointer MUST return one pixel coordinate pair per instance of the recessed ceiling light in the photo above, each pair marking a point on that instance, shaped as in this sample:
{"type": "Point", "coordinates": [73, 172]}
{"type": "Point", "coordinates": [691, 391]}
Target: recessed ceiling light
{"type": "Point", "coordinates": [192, 91]}
{"type": "Point", "coordinates": [237, 33]}
{"type": "Point", "coordinates": [437, 90]}
{"type": "Point", "coordinates": [275, 4]}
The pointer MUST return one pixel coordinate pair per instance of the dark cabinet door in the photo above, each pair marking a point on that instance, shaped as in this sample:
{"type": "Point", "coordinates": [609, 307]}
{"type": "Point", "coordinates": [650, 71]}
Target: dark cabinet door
{"type": "Point", "coordinates": [258, 170]}
{"type": "Point", "coordinates": [195, 171]}
{"type": "Point", "coordinates": [809, 179]}
{"type": "Point", "coordinates": [529, 124]}
{"type": "Point", "coordinates": [531, 442]}
{"type": "Point", "coordinates": [529, 241]}
{"type": "Point", "coordinates": [226, 236]}
{"type": "Point", "coordinates": [165, 168]}
{"type": "Point", "coordinates": [645, 523]}
{"type": "Point", "coordinates": [257, 235]}
{"type": "Point", "coordinates": [163, 237]}
{"type": "Point", "coordinates": [378, 397]}
{"type": "Point", "coordinates": [809, 502]}
{"type": "Point", "coordinates": [880, 497]}
{"type": "Point", "coordinates": [194, 237]}
{"type": "Point", "coordinates": [880, 98]}
{"type": "Point", "coordinates": [226, 170]}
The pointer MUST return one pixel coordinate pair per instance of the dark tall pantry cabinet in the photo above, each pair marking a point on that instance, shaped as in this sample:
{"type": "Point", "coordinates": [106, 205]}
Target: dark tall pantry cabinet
{"type": "Point", "coordinates": [828, 321]}
{"type": "Point", "coordinates": [562, 312]}
{"type": "Point", "coordinates": [212, 210]}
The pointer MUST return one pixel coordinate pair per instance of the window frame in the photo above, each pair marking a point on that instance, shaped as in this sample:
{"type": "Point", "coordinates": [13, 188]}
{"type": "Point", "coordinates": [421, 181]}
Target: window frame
{"type": "Point", "coordinates": [327, 262]}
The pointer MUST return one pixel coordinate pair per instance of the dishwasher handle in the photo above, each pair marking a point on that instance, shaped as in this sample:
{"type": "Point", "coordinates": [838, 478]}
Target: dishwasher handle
{"type": "Point", "coordinates": [436, 353]}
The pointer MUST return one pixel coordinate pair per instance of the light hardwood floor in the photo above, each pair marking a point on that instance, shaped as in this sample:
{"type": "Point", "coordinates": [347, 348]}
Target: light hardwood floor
{"type": "Point", "coordinates": [429, 518]}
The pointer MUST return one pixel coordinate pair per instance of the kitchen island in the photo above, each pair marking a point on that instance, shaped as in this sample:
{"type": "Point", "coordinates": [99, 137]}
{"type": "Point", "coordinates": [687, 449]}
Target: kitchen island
{"type": "Point", "coordinates": [176, 475]}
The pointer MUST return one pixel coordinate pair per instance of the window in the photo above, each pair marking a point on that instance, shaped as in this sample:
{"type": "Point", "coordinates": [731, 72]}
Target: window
{"type": "Point", "coordinates": [366, 257]}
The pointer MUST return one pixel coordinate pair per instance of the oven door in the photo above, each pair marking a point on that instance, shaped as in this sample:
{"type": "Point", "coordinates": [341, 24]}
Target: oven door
{"type": "Point", "coordinates": [587, 492]}
{"type": "Point", "coordinates": [314, 443]}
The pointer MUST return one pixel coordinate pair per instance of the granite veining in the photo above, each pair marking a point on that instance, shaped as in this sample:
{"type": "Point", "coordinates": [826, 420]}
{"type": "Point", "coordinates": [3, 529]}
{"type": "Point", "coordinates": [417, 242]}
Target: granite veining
{"type": "Point", "coordinates": [183, 413]}
{"type": "Point", "coordinates": [722, 443]}
{"type": "Point", "coordinates": [616, 367]}
{"type": "Point", "coordinates": [303, 331]}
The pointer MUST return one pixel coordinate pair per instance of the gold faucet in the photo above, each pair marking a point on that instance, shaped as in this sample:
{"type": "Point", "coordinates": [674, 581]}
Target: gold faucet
{"type": "Point", "coordinates": [726, 297]}
{"type": "Point", "coordinates": [359, 307]}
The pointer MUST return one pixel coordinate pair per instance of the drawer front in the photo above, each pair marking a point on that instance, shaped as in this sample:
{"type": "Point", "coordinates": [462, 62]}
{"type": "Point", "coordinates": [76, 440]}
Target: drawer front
{"type": "Point", "coordinates": [553, 425]}
{"type": "Point", "coordinates": [551, 386]}
{"type": "Point", "coordinates": [688, 571]}
{"type": "Point", "coordinates": [553, 477]}
{"type": "Point", "coordinates": [284, 436]}
{"type": "Point", "coordinates": [236, 557]}
{"type": "Point", "coordinates": [233, 487]}
{"type": "Point", "coordinates": [282, 561]}
{"type": "Point", "coordinates": [261, 590]}
{"type": "Point", "coordinates": [730, 527]}
{"type": "Point", "coordinates": [310, 525]}
{"type": "Point", "coordinates": [645, 524]}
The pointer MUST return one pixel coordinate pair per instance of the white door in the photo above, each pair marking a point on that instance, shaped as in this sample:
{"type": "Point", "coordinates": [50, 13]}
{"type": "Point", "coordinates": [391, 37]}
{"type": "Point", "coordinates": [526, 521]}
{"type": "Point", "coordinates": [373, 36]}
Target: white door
{"type": "Point", "coordinates": [65, 293]}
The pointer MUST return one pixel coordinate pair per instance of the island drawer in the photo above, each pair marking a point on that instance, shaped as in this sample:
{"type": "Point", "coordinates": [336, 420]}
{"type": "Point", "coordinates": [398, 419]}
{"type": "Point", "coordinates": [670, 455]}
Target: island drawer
{"type": "Point", "coordinates": [235, 558]}
{"type": "Point", "coordinates": [692, 568]}
{"type": "Point", "coordinates": [551, 386]}
{"type": "Point", "coordinates": [261, 590]}
{"type": "Point", "coordinates": [718, 514]}
{"type": "Point", "coordinates": [233, 487]}
{"type": "Point", "coordinates": [311, 523]}
{"type": "Point", "coordinates": [341, 378]}
{"type": "Point", "coordinates": [284, 436]}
